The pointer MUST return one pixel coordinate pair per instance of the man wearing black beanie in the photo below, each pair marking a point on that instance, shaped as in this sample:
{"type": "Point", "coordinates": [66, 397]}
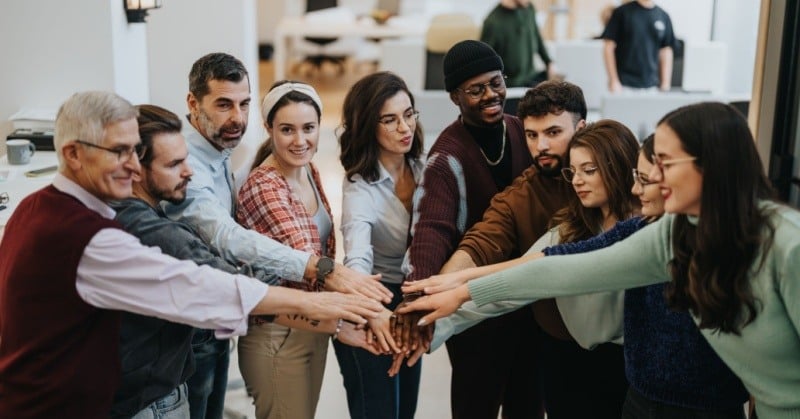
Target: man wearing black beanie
{"type": "Point", "coordinates": [474, 158]}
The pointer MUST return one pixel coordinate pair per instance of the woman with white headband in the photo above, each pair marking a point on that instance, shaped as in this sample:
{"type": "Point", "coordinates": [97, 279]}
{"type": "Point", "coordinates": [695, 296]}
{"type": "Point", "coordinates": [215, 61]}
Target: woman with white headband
{"type": "Point", "coordinates": [283, 198]}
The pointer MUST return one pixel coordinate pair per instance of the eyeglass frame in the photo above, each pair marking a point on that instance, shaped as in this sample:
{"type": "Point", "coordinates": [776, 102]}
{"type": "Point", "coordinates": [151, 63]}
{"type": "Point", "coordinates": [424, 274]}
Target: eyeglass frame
{"type": "Point", "coordinates": [128, 152]}
{"type": "Point", "coordinates": [413, 118]}
{"type": "Point", "coordinates": [661, 164]}
{"type": "Point", "coordinates": [637, 177]}
{"type": "Point", "coordinates": [482, 86]}
{"type": "Point", "coordinates": [581, 172]}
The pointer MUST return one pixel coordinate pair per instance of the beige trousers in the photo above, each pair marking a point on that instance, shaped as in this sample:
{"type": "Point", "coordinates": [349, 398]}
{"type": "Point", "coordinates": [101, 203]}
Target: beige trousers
{"type": "Point", "coordinates": [282, 369]}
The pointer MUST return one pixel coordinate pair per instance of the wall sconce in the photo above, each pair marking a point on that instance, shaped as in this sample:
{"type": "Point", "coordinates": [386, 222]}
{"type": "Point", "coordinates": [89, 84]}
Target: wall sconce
{"type": "Point", "coordinates": [137, 9]}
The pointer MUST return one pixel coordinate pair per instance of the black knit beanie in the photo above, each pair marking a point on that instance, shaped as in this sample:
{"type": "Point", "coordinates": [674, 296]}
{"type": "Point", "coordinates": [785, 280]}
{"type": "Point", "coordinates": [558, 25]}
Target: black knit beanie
{"type": "Point", "coordinates": [468, 59]}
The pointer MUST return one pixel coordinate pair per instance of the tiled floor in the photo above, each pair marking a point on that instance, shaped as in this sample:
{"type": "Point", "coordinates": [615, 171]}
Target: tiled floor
{"type": "Point", "coordinates": [434, 399]}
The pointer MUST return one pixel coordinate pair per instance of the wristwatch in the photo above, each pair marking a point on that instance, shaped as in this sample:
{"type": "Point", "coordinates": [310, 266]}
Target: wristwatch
{"type": "Point", "coordinates": [325, 266]}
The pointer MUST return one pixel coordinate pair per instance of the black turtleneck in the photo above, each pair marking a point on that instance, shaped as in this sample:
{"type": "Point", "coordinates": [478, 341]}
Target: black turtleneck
{"type": "Point", "coordinates": [489, 140]}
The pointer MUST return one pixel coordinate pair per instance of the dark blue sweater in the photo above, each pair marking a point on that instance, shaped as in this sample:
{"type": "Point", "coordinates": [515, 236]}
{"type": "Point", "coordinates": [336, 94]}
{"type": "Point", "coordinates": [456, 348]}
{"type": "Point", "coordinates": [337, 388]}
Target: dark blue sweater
{"type": "Point", "coordinates": [666, 357]}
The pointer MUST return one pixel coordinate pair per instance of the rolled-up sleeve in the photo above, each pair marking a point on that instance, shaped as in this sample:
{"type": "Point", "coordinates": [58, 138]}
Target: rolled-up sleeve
{"type": "Point", "coordinates": [117, 272]}
{"type": "Point", "coordinates": [215, 225]}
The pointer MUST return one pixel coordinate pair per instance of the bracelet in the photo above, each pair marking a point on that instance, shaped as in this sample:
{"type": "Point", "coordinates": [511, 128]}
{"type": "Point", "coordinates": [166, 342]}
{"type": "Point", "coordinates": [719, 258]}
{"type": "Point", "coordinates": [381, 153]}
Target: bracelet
{"type": "Point", "coordinates": [338, 329]}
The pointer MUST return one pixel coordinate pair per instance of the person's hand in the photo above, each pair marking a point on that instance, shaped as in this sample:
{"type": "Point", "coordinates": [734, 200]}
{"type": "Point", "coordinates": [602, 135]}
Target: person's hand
{"type": "Point", "coordinates": [348, 281]}
{"type": "Point", "coordinates": [614, 86]}
{"type": "Point", "coordinates": [436, 283]}
{"type": "Point", "coordinates": [665, 88]}
{"type": "Point", "coordinates": [335, 305]}
{"type": "Point", "coordinates": [380, 331]}
{"type": "Point", "coordinates": [404, 326]}
{"type": "Point", "coordinates": [440, 305]}
{"type": "Point", "coordinates": [413, 356]}
{"type": "Point", "coordinates": [397, 362]}
{"type": "Point", "coordinates": [350, 335]}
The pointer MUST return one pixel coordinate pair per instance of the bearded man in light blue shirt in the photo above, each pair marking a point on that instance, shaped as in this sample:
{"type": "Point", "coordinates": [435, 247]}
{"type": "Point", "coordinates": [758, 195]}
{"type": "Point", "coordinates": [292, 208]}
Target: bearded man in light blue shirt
{"type": "Point", "coordinates": [219, 102]}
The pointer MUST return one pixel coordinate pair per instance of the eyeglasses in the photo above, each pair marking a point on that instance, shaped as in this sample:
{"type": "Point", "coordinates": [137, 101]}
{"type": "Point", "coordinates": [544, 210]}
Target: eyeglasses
{"type": "Point", "coordinates": [124, 153]}
{"type": "Point", "coordinates": [641, 178]}
{"type": "Point", "coordinates": [476, 91]}
{"type": "Point", "coordinates": [4, 197]}
{"type": "Point", "coordinates": [570, 173]}
{"type": "Point", "coordinates": [666, 164]}
{"type": "Point", "coordinates": [392, 123]}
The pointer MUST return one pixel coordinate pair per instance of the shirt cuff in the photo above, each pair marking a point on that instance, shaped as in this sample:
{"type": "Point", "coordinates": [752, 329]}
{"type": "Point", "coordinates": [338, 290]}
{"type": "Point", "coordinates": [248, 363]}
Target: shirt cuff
{"type": "Point", "coordinates": [251, 292]}
{"type": "Point", "coordinates": [441, 332]}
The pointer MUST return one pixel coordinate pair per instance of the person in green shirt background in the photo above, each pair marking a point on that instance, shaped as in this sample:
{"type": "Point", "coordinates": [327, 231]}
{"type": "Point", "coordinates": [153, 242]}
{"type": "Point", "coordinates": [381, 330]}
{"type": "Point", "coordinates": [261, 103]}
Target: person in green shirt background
{"type": "Point", "coordinates": [511, 30]}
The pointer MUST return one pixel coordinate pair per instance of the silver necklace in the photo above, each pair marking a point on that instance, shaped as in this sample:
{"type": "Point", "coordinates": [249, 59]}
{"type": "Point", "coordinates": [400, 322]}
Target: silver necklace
{"type": "Point", "coordinates": [502, 150]}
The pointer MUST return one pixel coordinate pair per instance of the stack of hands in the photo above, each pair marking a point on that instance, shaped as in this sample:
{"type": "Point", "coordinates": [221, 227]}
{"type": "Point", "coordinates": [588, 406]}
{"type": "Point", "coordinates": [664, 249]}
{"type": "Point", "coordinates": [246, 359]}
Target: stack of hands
{"type": "Point", "coordinates": [407, 332]}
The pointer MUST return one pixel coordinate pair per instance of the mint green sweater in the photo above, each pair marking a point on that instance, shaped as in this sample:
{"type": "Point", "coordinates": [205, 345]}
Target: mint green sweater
{"type": "Point", "coordinates": [766, 356]}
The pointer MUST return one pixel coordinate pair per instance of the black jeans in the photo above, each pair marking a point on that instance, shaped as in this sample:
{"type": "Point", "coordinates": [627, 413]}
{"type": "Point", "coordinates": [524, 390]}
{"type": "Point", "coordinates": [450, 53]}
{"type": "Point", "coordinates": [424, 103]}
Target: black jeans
{"type": "Point", "coordinates": [495, 364]}
{"type": "Point", "coordinates": [638, 406]}
{"type": "Point", "coordinates": [580, 383]}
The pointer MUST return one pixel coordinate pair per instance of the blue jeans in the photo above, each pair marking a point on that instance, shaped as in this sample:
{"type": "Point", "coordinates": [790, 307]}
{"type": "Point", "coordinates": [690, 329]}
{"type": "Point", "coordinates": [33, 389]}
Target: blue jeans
{"type": "Point", "coordinates": [172, 406]}
{"type": "Point", "coordinates": [209, 382]}
{"type": "Point", "coordinates": [371, 393]}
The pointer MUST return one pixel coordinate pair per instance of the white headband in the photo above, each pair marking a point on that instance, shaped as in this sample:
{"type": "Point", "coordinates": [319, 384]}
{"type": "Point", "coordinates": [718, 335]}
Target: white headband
{"type": "Point", "coordinates": [278, 92]}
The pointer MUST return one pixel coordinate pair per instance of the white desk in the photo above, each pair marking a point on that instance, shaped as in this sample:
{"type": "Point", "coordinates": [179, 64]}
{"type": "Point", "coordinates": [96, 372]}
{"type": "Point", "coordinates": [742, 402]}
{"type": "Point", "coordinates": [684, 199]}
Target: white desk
{"type": "Point", "coordinates": [14, 182]}
{"type": "Point", "coordinates": [290, 27]}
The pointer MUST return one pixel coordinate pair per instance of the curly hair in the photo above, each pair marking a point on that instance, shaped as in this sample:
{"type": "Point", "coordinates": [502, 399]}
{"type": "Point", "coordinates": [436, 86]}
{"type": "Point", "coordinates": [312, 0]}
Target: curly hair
{"type": "Point", "coordinates": [554, 97]}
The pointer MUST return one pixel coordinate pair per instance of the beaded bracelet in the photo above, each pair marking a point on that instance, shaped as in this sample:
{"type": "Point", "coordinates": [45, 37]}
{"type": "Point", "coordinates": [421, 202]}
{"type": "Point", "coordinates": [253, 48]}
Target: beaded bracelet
{"type": "Point", "coordinates": [338, 329]}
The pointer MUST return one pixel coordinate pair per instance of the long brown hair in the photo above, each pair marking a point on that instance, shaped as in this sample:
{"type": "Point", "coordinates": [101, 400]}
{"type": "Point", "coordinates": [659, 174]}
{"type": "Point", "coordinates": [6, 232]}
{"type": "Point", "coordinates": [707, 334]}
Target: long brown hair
{"type": "Point", "coordinates": [713, 259]}
{"type": "Point", "coordinates": [615, 151]}
{"type": "Point", "coordinates": [360, 115]}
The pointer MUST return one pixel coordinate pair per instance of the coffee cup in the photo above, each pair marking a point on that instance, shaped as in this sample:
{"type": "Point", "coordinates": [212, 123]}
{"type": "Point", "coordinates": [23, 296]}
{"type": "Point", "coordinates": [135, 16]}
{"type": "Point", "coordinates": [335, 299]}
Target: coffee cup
{"type": "Point", "coordinates": [19, 151]}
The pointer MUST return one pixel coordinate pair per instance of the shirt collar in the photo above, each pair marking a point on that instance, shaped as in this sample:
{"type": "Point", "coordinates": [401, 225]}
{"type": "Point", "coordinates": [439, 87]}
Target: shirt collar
{"type": "Point", "coordinates": [383, 174]}
{"type": "Point", "coordinates": [67, 186]}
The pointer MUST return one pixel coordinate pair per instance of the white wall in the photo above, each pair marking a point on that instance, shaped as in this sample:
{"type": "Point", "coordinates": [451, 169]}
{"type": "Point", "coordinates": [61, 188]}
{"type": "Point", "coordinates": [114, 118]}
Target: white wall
{"type": "Point", "coordinates": [184, 30]}
{"type": "Point", "coordinates": [52, 49]}
{"type": "Point", "coordinates": [736, 24]}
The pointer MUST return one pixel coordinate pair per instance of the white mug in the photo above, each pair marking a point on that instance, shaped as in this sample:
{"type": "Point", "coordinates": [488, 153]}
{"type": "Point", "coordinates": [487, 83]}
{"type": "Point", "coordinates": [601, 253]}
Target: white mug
{"type": "Point", "coordinates": [19, 151]}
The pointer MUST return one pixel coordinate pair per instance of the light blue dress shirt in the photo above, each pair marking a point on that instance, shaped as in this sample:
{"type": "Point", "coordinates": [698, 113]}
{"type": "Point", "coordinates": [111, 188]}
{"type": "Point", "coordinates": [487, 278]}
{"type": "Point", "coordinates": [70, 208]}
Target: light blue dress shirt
{"type": "Point", "coordinates": [209, 208]}
{"type": "Point", "coordinates": [375, 225]}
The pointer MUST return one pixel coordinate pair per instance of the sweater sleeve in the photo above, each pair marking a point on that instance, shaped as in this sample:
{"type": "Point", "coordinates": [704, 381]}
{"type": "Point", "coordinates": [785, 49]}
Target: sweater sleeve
{"type": "Point", "coordinates": [640, 260]}
{"type": "Point", "coordinates": [493, 239]}
{"type": "Point", "coordinates": [621, 230]}
{"type": "Point", "coordinates": [439, 210]}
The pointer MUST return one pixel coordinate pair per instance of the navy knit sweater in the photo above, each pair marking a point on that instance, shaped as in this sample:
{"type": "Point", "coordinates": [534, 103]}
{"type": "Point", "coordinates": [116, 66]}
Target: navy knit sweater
{"type": "Point", "coordinates": [666, 357]}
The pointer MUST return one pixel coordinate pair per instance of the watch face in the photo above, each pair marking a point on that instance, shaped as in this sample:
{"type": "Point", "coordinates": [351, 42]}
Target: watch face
{"type": "Point", "coordinates": [324, 266]}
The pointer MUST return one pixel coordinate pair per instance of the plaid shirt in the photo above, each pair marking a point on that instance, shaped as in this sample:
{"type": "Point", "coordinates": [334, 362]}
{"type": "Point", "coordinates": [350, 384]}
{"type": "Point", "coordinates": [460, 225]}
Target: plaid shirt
{"type": "Point", "coordinates": [268, 205]}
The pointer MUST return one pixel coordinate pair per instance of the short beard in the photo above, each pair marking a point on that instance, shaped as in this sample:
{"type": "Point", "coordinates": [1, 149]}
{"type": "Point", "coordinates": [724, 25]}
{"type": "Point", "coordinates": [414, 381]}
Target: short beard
{"type": "Point", "coordinates": [549, 171]}
{"type": "Point", "coordinates": [161, 194]}
{"type": "Point", "coordinates": [214, 134]}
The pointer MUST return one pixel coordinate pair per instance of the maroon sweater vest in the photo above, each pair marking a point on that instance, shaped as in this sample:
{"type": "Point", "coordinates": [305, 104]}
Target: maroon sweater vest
{"type": "Point", "coordinates": [58, 355]}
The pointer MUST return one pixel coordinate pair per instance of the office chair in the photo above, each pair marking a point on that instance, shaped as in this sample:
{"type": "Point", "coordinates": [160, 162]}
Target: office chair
{"type": "Point", "coordinates": [317, 60]}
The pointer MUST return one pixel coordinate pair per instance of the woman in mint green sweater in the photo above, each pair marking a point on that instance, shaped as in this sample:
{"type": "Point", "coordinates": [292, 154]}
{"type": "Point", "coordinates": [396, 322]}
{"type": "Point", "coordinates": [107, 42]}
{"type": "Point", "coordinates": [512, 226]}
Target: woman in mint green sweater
{"type": "Point", "coordinates": [730, 253]}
